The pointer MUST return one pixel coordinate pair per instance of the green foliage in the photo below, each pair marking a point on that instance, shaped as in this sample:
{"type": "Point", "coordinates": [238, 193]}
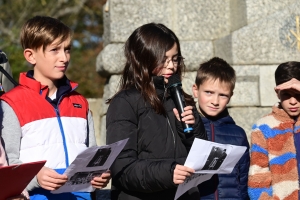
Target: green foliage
{"type": "Point", "coordinates": [83, 16]}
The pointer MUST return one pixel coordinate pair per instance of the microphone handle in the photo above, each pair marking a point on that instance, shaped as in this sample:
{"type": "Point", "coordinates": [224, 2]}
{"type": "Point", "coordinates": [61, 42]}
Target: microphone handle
{"type": "Point", "coordinates": [8, 76]}
{"type": "Point", "coordinates": [178, 98]}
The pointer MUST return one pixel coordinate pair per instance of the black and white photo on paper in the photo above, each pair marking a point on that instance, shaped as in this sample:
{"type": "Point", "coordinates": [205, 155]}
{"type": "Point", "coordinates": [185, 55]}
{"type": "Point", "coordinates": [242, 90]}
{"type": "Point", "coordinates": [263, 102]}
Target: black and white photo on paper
{"type": "Point", "coordinates": [215, 158]}
{"type": "Point", "coordinates": [100, 157]}
{"type": "Point", "coordinates": [83, 177]}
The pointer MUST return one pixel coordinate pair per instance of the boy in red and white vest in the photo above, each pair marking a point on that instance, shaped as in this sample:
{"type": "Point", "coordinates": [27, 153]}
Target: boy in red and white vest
{"type": "Point", "coordinates": [44, 117]}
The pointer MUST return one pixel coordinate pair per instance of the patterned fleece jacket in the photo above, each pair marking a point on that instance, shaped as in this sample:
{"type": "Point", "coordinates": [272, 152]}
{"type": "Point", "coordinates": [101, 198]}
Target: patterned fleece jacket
{"type": "Point", "coordinates": [273, 170]}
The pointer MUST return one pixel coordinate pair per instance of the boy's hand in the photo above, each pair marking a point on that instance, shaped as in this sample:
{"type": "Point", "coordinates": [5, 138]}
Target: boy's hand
{"type": "Point", "coordinates": [181, 172]}
{"type": "Point", "coordinates": [102, 181]}
{"type": "Point", "coordinates": [187, 115]}
{"type": "Point", "coordinates": [291, 84]}
{"type": "Point", "coordinates": [49, 179]}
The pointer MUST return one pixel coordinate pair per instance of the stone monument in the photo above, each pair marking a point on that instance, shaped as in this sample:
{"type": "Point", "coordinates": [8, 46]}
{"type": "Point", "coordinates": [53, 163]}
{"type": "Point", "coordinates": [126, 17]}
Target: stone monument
{"type": "Point", "coordinates": [254, 36]}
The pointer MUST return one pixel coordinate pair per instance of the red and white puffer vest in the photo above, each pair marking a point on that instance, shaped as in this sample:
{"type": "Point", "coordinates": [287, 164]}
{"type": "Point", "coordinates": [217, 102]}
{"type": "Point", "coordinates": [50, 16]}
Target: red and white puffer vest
{"type": "Point", "coordinates": [57, 135]}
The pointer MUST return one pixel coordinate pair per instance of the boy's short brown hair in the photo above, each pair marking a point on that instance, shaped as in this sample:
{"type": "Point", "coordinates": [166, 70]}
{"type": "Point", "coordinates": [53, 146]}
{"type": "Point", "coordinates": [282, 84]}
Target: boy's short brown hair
{"type": "Point", "coordinates": [41, 31]}
{"type": "Point", "coordinates": [216, 69]}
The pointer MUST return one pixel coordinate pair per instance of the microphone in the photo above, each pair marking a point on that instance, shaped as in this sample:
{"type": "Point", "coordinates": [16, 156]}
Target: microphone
{"type": "Point", "coordinates": [174, 86]}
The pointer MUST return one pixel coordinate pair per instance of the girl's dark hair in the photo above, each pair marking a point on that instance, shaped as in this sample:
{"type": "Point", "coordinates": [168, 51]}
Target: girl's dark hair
{"type": "Point", "coordinates": [286, 71]}
{"type": "Point", "coordinates": [145, 52]}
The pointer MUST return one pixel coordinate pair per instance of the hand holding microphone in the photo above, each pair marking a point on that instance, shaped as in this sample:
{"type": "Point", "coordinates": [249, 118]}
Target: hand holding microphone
{"type": "Point", "coordinates": [174, 86]}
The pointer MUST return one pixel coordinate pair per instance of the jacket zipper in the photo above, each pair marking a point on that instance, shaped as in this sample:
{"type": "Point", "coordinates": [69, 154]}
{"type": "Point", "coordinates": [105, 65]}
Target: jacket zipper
{"type": "Point", "coordinates": [213, 139]}
{"type": "Point", "coordinates": [56, 109]}
{"type": "Point", "coordinates": [62, 128]}
{"type": "Point", "coordinates": [174, 142]}
{"type": "Point", "coordinates": [62, 135]}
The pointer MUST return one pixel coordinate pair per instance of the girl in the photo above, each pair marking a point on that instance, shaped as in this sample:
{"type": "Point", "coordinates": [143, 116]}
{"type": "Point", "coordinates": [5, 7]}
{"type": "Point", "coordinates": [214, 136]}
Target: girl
{"type": "Point", "coordinates": [151, 164]}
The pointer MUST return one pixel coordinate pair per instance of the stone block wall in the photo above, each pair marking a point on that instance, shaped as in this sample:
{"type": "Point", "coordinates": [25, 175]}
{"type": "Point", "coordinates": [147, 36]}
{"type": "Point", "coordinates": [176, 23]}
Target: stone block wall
{"type": "Point", "coordinates": [254, 36]}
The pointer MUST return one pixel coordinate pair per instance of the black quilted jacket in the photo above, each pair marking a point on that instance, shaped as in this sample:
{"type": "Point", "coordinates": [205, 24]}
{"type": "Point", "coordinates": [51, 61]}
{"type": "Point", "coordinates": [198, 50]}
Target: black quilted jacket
{"type": "Point", "coordinates": [227, 186]}
{"type": "Point", "coordinates": [144, 168]}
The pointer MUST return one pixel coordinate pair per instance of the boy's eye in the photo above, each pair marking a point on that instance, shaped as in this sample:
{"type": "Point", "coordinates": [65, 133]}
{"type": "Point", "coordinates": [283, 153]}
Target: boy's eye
{"type": "Point", "coordinates": [285, 94]}
{"type": "Point", "coordinates": [297, 96]}
{"type": "Point", "coordinates": [223, 95]}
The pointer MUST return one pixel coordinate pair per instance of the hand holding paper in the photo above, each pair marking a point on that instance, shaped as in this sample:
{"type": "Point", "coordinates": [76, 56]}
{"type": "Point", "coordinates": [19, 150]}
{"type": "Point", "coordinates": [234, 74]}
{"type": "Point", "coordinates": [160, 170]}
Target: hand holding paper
{"type": "Point", "coordinates": [49, 179]}
{"type": "Point", "coordinates": [208, 158]}
{"type": "Point", "coordinates": [181, 172]}
{"type": "Point", "coordinates": [102, 181]}
{"type": "Point", "coordinates": [88, 170]}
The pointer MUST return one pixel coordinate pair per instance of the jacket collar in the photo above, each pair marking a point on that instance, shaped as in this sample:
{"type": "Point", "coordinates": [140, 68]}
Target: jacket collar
{"type": "Point", "coordinates": [222, 118]}
{"type": "Point", "coordinates": [159, 84]}
{"type": "Point", "coordinates": [64, 84]}
{"type": "Point", "coordinates": [281, 115]}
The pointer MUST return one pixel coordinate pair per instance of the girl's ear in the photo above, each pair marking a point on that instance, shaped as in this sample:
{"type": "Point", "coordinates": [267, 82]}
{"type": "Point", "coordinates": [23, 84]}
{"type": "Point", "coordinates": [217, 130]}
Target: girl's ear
{"type": "Point", "coordinates": [29, 56]}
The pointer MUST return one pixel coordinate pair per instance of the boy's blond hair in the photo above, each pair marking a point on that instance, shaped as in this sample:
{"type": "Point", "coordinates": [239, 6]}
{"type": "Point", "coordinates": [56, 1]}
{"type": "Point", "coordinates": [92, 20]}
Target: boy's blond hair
{"type": "Point", "coordinates": [41, 31]}
{"type": "Point", "coordinates": [216, 69]}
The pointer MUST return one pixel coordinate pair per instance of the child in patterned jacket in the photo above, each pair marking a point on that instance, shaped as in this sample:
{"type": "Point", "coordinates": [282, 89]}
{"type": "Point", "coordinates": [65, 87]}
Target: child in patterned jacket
{"type": "Point", "coordinates": [275, 141]}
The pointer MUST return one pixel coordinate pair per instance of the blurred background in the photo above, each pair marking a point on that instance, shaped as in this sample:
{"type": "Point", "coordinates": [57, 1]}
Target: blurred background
{"type": "Point", "coordinates": [83, 16]}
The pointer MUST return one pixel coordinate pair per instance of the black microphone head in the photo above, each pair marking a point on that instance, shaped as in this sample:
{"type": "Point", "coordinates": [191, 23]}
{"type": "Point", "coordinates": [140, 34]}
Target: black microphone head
{"type": "Point", "coordinates": [174, 80]}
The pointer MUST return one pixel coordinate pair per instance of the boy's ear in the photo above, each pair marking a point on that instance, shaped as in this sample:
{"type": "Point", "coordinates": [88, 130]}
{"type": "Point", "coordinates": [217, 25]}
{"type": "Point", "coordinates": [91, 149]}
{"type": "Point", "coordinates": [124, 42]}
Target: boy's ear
{"type": "Point", "coordinates": [195, 90]}
{"type": "Point", "coordinates": [29, 56]}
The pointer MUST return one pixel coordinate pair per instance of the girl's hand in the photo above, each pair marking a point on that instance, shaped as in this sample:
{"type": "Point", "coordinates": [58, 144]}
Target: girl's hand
{"type": "Point", "coordinates": [291, 84]}
{"type": "Point", "coordinates": [187, 115]}
{"type": "Point", "coordinates": [102, 181]}
{"type": "Point", "coordinates": [181, 172]}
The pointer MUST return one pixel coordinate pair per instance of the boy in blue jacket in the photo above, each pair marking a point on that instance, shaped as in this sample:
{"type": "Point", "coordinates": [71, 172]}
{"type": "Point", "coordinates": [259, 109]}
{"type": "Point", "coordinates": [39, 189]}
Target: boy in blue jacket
{"type": "Point", "coordinates": [44, 118]}
{"type": "Point", "coordinates": [214, 87]}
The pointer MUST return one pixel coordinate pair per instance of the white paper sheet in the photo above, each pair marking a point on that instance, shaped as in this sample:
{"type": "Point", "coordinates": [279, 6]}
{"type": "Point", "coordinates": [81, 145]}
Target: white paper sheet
{"type": "Point", "coordinates": [88, 164]}
{"type": "Point", "coordinates": [209, 158]}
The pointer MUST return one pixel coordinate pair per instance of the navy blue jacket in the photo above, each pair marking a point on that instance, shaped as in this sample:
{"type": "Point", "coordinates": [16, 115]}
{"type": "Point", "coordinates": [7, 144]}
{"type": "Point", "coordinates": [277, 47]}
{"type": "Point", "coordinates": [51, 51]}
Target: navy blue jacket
{"type": "Point", "coordinates": [223, 129]}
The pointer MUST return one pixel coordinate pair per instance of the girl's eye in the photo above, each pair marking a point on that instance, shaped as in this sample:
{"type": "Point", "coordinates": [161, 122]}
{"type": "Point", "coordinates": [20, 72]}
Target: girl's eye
{"type": "Point", "coordinates": [164, 60]}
